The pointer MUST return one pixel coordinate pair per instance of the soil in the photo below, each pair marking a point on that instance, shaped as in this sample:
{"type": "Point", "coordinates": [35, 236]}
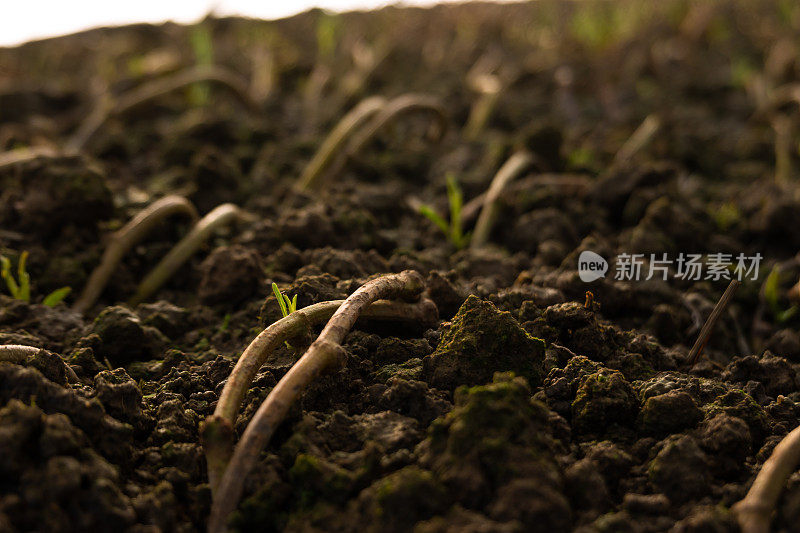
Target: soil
{"type": "Point", "coordinates": [528, 408]}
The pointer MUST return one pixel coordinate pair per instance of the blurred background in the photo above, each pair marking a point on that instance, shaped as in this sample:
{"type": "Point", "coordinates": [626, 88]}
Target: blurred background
{"type": "Point", "coordinates": [38, 19]}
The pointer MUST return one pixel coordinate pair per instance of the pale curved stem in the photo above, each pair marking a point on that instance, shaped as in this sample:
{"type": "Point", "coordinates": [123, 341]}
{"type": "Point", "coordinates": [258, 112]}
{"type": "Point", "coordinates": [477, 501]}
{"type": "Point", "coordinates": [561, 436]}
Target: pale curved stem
{"type": "Point", "coordinates": [754, 512]}
{"type": "Point", "coordinates": [217, 430]}
{"type": "Point", "coordinates": [19, 353]}
{"type": "Point", "coordinates": [638, 140]}
{"type": "Point", "coordinates": [125, 239]}
{"type": "Point", "coordinates": [155, 89]}
{"type": "Point", "coordinates": [403, 104]}
{"type": "Point", "coordinates": [23, 155]}
{"type": "Point", "coordinates": [220, 216]}
{"type": "Point", "coordinates": [336, 140]}
{"type": "Point", "coordinates": [324, 354]}
{"type": "Point", "coordinates": [512, 168]}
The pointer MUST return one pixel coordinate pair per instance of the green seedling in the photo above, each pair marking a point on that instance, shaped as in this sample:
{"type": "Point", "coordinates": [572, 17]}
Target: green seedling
{"type": "Point", "coordinates": [771, 295]}
{"type": "Point", "coordinates": [20, 288]}
{"type": "Point", "coordinates": [287, 305]}
{"type": "Point", "coordinates": [203, 48]}
{"type": "Point", "coordinates": [452, 229]}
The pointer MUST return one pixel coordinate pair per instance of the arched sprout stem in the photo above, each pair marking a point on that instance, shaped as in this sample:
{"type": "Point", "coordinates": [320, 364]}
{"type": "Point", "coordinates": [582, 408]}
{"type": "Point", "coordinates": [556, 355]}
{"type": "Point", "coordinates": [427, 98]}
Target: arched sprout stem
{"type": "Point", "coordinates": [335, 142]}
{"type": "Point", "coordinates": [324, 354]}
{"type": "Point", "coordinates": [125, 239]}
{"type": "Point", "coordinates": [217, 430]}
{"type": "Point", "coordinates": [155, 89]}
{"type": "Point", "coordinates": [19, 353]}
{"type": "Point", "coordinates": [512, 168]}
{"type": "Point", "coordinates": [754, 512]}
{"type": "Point", "coordinates": [218, 217]}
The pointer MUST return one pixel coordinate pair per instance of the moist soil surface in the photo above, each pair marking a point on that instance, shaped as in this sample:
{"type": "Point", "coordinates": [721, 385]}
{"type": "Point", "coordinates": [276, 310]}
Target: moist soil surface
{"type": "Point", "coordinates": [529, 406]}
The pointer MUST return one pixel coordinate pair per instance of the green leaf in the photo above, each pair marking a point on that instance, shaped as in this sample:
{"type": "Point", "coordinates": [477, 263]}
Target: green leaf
{"type": "Point", "coordinates": [293, 305]}
{"type": "Point", "coordinates": [280, 297]}
{"type": "Point", "coordinates": [24, 278]}
{"type": "Point", "coordinates": [56, 297]}
{"type": "Point", "coordinates": [434, 217]}
{"type": "Point", "coordinates": [5, 272]}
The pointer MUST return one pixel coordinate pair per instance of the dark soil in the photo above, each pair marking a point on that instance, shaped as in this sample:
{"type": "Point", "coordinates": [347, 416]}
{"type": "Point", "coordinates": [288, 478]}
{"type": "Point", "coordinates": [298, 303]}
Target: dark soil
{"type": "Point", "coordinates": [526, 409]}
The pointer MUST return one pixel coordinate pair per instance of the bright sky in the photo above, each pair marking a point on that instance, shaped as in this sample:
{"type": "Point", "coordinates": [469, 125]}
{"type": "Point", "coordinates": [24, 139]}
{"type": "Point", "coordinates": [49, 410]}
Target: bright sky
{"type": "Point", "coordinates": [25, 20]}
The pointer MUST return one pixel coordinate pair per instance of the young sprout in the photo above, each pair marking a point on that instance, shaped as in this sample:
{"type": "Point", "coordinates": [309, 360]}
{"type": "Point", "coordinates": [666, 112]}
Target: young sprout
{"type": "Point", "coordinates": [154, 89]}
{"type": "Point", "coordinates": [453, 229]}
{"type": "Point", "coordinates": [335, 141]}
{"type": "Point", "coordinates": [20, 288]}
{"type": "Point", "coordinates": [517, 163]}
{"type": "Point", "coordinates": [18, 354]}
{"type": "Point", "coordinates": [325, 354]}
{"type": "Point", "coordinates": [217, 430]}
{"type": "Point", "coordinates": [287, 306]}
{"type": "Point", "coordinates": [203, 48]}
{"type": "Point", "coordinates": [218, 217]}
{"type": "Point", "coordinates": [772, 297]}
{"type": "Point", "coordinates": [358, 127]}
{"type": "Point", "coordinates": [125, 239]}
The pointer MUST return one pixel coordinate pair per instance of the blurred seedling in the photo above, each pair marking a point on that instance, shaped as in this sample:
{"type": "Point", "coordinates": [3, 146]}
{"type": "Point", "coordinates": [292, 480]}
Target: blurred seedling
{"type": "Point", "coordinates": [361, 125]}
{"type": "Point", "coordinates": [772, 297]}
{"type": "Point", "coordinates": [453, 228]}
{"type": "Point", "coordinates": [203, 48]}
{"type": "Point", "coordinates": [20, 288]}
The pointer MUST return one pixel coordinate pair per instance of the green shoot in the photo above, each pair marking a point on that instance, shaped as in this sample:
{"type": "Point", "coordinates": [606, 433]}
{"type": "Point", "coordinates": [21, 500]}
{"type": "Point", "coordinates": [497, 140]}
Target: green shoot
{"type": "Point", "coordinates": [453, 230]}
{"type": "Point", "coordinates": [203, 48]}
{"type": "Point", "coordinates": [56, 297]}
{"type": "Point", "coordinates": [20, 288]}
{"type": "Point", "coordinates": [328, 30]}
{"type": "Point", "coordinates": [771, 295]}
{"type": "Point", "coordinates": [287, 305]}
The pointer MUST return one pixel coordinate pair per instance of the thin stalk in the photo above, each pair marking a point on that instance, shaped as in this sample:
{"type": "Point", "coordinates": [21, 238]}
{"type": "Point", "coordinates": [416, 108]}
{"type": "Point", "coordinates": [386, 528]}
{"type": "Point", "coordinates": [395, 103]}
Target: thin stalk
{"type": "Point", "coordinates": [155, 89]}
{"type": "Point", "coordinates": [23, 155]}
{"type": "Point", "coordinates": [489, 88]}
{"type": "Point", "coordinates": [19, 353]}
{"type": "Point", "coordinates": [754, 512]}
{"type": "Point", "coordinates": [565, 183]}
{"type": "Point", "coordinates": [512, 168]}
{"type": "Point", "coordinates": [218, 217]}
{"type": "Point", "coordinates": [324, 354]}
{"type": "Point", "coordinates": [217, 431]}
{"type": "Point", "coordinates": [638, 140]}
{"type": "Point", "coordinates": [708, 327]}
{"type": "Point", "coordinates": [125, 239]}
{"type": "Point", "coordinates": [406, 103]}
{"type": "Point", "coordinates": [334, 143]}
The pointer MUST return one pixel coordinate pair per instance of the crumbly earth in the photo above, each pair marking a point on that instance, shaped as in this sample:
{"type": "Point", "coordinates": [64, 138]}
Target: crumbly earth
{"type": "Point", "coordinates": [529, 407]}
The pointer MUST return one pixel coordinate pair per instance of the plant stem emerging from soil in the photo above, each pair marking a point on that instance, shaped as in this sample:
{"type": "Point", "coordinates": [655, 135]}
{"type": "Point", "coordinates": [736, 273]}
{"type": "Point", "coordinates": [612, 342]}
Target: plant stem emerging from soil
{"type": "Point", "coordinates": [708, 327]}
{"type": "Point", "coordinates": [310, 178]}
{"type": "Point", "coordinates": [326, 353]}
{"type": "Point", "coordinates": [754, 512]}
{"type": "Point", "coordinates": [220, 216]}
{"type": "Point", "coordinates": [19, 353]}
{"type": "Point", "coordinates": [638, 140]}
{"type": "Point", "coordinates": [125, 239]}
{"type": "Point", "coordinates": [518, 162]}
{"type": "Point", "coordinates": [217, 431]}
{"type": "Point", "coordinates": [154, 89]}
{"type": "Point", "coordinates": [400, 105]}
